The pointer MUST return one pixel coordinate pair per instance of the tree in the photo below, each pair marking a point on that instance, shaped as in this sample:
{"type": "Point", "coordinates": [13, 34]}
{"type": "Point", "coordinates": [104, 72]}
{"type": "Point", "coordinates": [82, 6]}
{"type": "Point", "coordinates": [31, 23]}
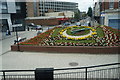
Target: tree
{"type": "Point", "coordinates": [77, 15]}
{"type": "Point", "coordinates": [89, 13]}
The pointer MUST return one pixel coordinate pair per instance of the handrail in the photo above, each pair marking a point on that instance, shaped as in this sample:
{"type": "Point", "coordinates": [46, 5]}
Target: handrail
{"type": "Point", "coordinates": [89, 66]}
{"type": "Point", "coordinates": [16, 70]}
{"type": "Point", "coordinates": [62, 68]}
{"type": "Point", "coordinates": [84, 71]}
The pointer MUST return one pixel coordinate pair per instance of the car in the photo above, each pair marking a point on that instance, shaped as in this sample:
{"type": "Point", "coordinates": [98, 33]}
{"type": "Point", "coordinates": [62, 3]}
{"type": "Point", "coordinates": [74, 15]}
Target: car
{"type": "Point", "coordinates": [38, 27]}
{"type": "Point", "coordinates": [32, 26]}
{"type": "Point", "coordinates": [66, 23]}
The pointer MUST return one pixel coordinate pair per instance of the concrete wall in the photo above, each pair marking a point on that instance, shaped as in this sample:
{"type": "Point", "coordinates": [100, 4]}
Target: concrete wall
{"type": "Point", "coordinates": [11, 6]}
{"type": "Point", "coordinates": [8, 17]}
{"type": "Point", "coordinates": [68, 14]}
{"type": "Point", "coordinates": [113, 15]}
{"type": "Point", "coordinates": [97, 9]}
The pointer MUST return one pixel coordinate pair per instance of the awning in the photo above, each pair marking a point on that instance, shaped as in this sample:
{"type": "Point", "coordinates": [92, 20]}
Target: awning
{"type": "Point", "coordinates": [63, 19]}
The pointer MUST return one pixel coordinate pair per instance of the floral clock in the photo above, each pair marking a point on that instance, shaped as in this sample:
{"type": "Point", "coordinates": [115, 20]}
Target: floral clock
{"type": "Point", "coordinates": [78, 32]}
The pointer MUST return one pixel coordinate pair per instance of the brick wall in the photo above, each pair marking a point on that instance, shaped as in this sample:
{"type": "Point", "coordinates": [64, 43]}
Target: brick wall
{"type": "Point", "coordinates": [29, 9]}
{"type": "Point", "coordinates": [68, 49]}
{"type": "Point", "coordinates": [115, 5]}
{"type": "Point", "coordinates": [105, 5]}
{"type": "Point", "coordinates": [43, 21]}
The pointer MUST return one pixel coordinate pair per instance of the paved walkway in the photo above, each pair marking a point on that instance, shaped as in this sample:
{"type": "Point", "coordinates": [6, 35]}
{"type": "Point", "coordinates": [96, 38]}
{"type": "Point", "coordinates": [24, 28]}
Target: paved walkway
{"type": "Point", "coordinates": [33, 60]}
{"type": "Point", "coordinates": [4, 36]}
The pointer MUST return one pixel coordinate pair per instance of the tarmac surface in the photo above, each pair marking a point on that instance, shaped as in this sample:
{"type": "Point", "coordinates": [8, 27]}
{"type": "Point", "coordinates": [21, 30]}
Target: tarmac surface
{"type": "Point", "coordinates": [32, 60]}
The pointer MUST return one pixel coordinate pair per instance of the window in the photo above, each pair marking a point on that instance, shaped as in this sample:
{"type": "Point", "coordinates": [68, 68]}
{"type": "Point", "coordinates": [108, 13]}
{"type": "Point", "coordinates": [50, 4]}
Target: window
{"type": "Point", "coordinates": [4, 5]}
{"type": "Point", "coordinates": [111, 5]}
{"type": "Point", "coordinates": [119, 4]}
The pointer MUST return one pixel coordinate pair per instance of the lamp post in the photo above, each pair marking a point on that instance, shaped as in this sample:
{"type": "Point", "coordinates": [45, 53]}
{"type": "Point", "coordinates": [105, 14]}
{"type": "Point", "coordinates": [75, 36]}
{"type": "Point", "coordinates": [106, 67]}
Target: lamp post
{"type": "Point", "coordinates": [18, 47]}
{"type": "Point", "coordinates": [93, 14]}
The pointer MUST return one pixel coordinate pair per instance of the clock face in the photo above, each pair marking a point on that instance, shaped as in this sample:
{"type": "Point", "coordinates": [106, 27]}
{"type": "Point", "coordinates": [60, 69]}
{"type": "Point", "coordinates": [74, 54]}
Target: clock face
{"type": "Point", "coordinates": [77, 33]}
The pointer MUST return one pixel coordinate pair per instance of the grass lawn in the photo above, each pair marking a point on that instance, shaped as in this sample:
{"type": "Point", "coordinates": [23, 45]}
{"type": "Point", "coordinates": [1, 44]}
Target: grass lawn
{"type": "Point", "coordinates": [100, 32]}
{"type": "Point", "coordinates": [56, 32]}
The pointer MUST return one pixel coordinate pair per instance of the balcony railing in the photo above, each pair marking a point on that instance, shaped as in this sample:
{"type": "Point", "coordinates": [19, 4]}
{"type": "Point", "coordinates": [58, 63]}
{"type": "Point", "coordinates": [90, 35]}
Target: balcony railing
{"type": "Point", "coordinates": [99, 72]}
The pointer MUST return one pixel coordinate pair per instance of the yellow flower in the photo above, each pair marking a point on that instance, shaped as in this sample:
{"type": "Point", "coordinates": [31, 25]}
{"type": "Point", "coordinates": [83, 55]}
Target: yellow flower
{"type": "Point", "coordinates": [76, 38]}
{"type": "Point", "coordinates": [63, 36]}
{"type": "Point", "coordinates": [61, 33]}
{"type": "Point", "coordinates": [94, 33]}
{"type": "Point", "coordinates": [93, 30]}
{"type": "Point", "coordinates": [69, 37]}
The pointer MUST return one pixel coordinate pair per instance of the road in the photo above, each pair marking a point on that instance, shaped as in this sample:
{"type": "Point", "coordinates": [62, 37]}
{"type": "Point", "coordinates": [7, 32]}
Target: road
{"type": "Point", "coordinates": [31, 60]}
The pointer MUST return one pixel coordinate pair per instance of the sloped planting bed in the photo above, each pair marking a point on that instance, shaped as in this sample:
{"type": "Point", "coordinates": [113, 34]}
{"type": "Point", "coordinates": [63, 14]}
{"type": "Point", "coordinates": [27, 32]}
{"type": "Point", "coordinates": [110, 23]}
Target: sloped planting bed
{"type": "Point", "coordinates": [74, 39]}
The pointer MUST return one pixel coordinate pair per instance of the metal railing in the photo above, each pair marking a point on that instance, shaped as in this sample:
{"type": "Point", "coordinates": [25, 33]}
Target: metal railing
{"type": "Point", "coordinates": [99, 72]}
{"type": "Point", "coordinates": [17, 75]}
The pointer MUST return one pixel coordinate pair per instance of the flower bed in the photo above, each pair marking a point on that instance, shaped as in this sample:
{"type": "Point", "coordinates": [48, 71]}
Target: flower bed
{"type": "Point", "coordinates": [59, 37]}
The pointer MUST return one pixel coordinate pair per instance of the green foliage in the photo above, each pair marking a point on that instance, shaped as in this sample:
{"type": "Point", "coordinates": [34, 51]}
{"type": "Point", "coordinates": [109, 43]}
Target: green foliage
{"type": "Point", "coordinates": [77, 41]}
{"type": "Point", "coordinates": [77, 15]}
{"type": "Point", "coordinates": [89, 13]}
{"type": "Point", "coordinates": [56, 32]}
{"type": "Point", "coordinates": [100, 32]}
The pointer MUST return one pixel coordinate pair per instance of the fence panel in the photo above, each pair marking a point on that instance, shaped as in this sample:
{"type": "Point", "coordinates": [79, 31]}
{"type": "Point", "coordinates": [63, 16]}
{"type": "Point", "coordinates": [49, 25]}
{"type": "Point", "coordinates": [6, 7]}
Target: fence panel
{"type": "Point", "coordinates": [100, 72]}
{"type": "Point", "coordinates": [17, 75]}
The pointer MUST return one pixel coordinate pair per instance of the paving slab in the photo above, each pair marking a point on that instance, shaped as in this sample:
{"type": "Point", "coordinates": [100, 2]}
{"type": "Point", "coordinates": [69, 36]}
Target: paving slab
{"type": "Point", "coordinates": [33, 60]}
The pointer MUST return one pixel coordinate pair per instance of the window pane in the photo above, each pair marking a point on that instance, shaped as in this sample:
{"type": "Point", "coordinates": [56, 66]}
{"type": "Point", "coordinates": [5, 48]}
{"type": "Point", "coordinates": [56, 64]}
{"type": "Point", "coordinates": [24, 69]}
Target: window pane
{"type": "Point", "coordinates": [111, 5]}
{"type": "Point", "coordinates": [119, 4]}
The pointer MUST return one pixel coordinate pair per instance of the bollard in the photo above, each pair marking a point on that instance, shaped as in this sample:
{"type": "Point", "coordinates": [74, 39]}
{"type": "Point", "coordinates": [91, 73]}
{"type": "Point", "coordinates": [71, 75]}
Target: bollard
{"type": "Point", "coordinates": [44, 74]}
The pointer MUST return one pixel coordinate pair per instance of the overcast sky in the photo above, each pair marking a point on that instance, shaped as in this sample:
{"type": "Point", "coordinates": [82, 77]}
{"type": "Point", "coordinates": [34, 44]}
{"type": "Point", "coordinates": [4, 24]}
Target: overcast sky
{"type": "Point", "coordinates": [82, 4]}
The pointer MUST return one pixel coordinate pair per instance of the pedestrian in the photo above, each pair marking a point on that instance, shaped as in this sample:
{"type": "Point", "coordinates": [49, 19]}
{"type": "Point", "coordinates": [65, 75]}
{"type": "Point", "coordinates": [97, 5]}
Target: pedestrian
{"type": "Point", "coordinates": [8, 32]}
{"type": "Point", "coordinates": [89, 24]}
{"type": "Point", "coordinates": [28, 28]}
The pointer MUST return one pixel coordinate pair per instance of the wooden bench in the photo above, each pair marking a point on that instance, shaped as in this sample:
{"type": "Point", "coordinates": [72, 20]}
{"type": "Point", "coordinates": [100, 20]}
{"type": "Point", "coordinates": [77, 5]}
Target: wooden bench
{"type": "Point", "coordinates": [21, 40]}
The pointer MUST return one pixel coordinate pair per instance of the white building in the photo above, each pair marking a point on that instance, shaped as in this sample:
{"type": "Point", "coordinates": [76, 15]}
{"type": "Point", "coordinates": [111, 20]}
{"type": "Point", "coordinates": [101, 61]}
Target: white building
{"type": "Point", "coordinates": [41, 7]}
{"type": "Point", "coordinates": [11, 12]}
{"type": "Point", "coordinates": [6, 8]}
{"type": "Point", "coordinates": [112, 18]}
{"type": "Point", "coordinates": [66, 14]}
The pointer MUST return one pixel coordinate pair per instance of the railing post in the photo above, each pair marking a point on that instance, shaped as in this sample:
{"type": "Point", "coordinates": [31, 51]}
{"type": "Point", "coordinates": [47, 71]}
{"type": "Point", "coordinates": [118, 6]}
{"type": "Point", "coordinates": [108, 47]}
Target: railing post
{"type": "Point", "coordinates": [4, 75]}
{"type": "Point", "coordinates": [85, 73]}
{"type": "Point", "coordinates": [44, 74]}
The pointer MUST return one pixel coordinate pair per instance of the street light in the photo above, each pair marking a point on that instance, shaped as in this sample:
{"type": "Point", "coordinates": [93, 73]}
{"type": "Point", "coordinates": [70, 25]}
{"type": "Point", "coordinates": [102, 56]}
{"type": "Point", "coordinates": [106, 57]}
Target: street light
{"type": "Point", "coordinates": [18, 47]}
{"type": "Point", "coordinates": [93, 14]}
